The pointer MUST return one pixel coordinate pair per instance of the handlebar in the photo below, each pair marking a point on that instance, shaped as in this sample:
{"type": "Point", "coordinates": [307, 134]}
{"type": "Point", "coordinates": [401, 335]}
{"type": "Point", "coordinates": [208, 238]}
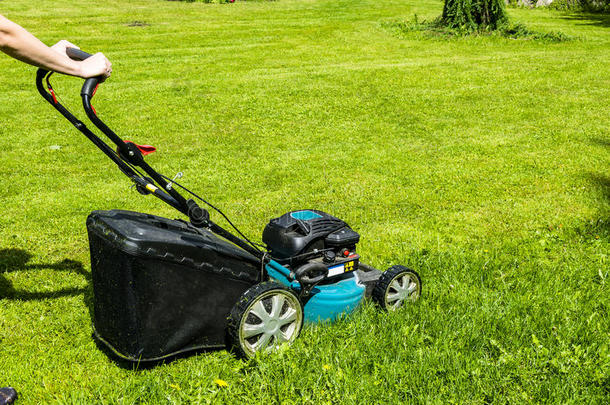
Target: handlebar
{"type": "Point", "coordinates": [127, 151]}
{"type": "Point", "coordinates": [77, 54]}
{"type": "Point", "coordinates": [91, 84]}
{"type": "Point", "coordinates": [128, 157]}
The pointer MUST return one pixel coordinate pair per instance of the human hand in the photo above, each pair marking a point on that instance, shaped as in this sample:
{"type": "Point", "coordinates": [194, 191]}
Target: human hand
{"type": "Point", "coordinates": [96, 65]}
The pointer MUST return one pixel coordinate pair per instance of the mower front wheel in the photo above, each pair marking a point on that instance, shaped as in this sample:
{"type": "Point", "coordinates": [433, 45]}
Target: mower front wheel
{"type": "Point", "coordinates": [396, 286]}
{"type": "Point", "coordinates": [266, 316]}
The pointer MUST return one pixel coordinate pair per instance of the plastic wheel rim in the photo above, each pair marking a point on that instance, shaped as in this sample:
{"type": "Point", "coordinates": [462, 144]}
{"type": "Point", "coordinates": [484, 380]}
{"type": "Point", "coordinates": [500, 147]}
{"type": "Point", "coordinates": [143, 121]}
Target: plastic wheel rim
{"type": "Point", "coordinates": [273, 318]}
{"type": "Point", "coordinates": [404, 287]}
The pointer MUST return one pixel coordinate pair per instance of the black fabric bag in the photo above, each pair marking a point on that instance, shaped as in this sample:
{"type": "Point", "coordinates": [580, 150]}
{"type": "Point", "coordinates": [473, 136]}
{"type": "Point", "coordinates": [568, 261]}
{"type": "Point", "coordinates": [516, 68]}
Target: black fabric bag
{"type": "Point", "coordinates": [162, 287]}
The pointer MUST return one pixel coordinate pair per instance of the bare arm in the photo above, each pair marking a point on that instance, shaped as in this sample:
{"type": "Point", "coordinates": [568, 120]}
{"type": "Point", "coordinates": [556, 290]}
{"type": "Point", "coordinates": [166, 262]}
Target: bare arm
{"type": "Point", "coordinates": [15, 41]}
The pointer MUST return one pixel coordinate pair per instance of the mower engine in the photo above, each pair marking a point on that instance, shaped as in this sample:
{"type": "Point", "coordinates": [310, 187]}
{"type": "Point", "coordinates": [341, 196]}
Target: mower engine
{"type": "Point", "coordinates": [307, 236]}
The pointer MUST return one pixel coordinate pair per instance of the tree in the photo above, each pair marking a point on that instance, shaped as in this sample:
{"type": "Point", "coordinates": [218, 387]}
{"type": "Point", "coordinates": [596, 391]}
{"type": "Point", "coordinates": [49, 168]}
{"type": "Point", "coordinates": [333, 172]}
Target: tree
{"type": "Point", "coordinates": [471, 15]}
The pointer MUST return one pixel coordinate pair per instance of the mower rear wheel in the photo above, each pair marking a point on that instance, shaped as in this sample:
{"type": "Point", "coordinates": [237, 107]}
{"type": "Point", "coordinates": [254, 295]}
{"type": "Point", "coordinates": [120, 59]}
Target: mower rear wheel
{"type": "Point", "coordinates": [266, 316]}
{"type": "Point", "coordinates": [396, 286]}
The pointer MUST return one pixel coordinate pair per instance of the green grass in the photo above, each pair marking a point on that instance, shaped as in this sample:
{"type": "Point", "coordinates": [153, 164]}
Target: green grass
{"type": "Point", "coordinates": [483, 162]}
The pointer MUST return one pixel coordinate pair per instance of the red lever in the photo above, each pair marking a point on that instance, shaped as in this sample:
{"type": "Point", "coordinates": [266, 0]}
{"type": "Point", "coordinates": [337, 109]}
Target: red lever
{"type": "Point", "coordinates": [145, 149]}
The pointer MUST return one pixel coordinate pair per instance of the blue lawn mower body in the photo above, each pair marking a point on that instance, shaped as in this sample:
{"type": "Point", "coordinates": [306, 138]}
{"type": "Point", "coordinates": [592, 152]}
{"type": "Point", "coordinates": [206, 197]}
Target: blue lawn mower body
{"type": "Point", "coordinates": [327, 302]}
{"type": "Point", "coordinates": [330, 300]}
{"type": "Point", "coordinates": [163, 286]}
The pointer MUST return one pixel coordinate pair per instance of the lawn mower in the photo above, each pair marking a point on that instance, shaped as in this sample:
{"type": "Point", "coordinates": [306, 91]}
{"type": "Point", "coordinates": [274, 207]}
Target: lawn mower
{"type": "Point", "coordinates": [163, 287]}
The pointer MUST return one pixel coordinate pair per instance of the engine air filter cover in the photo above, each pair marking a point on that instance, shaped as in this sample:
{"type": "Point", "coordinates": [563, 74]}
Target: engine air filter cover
{"type": "Point", "coordinates": [344, 237]}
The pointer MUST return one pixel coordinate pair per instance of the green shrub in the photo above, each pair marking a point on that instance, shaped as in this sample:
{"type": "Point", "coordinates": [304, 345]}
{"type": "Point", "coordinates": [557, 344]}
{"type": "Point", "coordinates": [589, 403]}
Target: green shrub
{"type": "Point", "coordinates": [520, 31]}
{"type": "Point", "coordinates": [436, 29]}
{"type": "Point", "coordinates": [471, 15]}
{"type": "Point", "coordinates": [581, 5]}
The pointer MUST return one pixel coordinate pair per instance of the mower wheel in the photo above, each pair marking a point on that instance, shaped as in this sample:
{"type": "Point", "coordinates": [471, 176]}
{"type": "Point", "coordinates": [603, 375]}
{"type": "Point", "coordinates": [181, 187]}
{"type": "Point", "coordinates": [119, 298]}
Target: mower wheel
{"type": "Point", "coordinates": [267, 315]}
{"type": "Point", "coordinates": [396, 286]}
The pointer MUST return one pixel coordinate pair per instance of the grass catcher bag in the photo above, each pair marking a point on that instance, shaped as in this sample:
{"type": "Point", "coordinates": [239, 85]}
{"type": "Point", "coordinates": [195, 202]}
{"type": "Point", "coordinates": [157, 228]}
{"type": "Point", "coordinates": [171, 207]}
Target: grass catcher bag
{"type": "Point", "coordinates": [162, 287]}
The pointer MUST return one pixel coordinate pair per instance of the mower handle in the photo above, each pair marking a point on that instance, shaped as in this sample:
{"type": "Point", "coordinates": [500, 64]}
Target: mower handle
{"type": "Point", "coordinates": [128, 151]}
{"type": "Point", "coordinates": [126, 160]}
{"type": "Point", "coordinates": [91, 83]}
{"type": "Point", "coordinates": [77, 54]}
{"type": "Point", "coordinates": [87, 92]}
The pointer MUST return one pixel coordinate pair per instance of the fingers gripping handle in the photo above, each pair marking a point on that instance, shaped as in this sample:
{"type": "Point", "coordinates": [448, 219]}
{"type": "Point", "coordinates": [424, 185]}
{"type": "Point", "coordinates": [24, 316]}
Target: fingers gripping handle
{"type": "Point", "coordinates": [90, 85]}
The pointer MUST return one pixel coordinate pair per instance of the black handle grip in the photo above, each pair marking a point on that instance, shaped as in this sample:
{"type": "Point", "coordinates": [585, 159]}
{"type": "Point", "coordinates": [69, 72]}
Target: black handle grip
{"type": "Point", "coordinates": [77, 54]}
{"type": "Point", "coordinates": [89, 87]}
{"type": "Point", "coordinates": [91, 83]}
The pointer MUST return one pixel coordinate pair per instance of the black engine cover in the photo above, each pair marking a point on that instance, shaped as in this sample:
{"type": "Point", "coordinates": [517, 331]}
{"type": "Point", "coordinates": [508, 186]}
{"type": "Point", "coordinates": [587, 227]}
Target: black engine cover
{"type": "Point", "coordinates": [301, 231]}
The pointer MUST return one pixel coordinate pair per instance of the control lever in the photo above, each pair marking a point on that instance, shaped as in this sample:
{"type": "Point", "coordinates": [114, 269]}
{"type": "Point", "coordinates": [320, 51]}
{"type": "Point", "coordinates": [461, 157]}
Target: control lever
{"type": "Point", "coordinates": [309, 275]}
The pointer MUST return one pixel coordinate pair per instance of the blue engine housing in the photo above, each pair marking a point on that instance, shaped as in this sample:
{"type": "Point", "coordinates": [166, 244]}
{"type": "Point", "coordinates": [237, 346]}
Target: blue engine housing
{"type": "Point", "coordinates": [327, 301]}
{"type": "Point", "coordinates": [302, 236]}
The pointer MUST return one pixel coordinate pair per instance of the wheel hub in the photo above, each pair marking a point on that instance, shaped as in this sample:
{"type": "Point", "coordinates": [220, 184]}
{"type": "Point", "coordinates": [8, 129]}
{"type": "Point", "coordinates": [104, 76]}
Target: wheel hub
{"type": "Point", "coordinates": [272, 327]}
{"type": "Point", "coordinates": [271, 320]}
{"type": "Point", "coordinates": [401, 289]}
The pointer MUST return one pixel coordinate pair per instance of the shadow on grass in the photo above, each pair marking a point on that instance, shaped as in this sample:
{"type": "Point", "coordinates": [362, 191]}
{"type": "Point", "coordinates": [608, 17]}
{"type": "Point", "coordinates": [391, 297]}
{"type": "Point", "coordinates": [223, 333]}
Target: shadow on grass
{"type": "Point", "coordinates": [602, 183]}
{"type": "Point", "coordinates": [602, 142]}
{"type": "Point", "coordinates": [436, 29]}
{"type": "Point", "coordinates": [595, 19]}
{"type": "Point", "coordinates": [12, 260]}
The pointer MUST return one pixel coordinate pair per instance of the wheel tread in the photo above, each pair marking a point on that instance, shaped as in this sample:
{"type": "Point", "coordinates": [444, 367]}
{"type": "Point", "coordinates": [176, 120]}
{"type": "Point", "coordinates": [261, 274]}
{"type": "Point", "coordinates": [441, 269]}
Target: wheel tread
{"type": "Point", "coordinates": [384, 281]}
{"type": "Point", "coordinates": [241, 306]}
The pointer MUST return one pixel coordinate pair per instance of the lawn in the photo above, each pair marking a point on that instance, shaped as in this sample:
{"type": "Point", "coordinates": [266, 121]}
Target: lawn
{"type": "Point", "coordinates": [482, 162]}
